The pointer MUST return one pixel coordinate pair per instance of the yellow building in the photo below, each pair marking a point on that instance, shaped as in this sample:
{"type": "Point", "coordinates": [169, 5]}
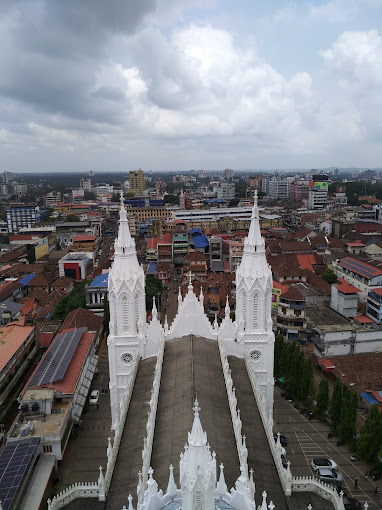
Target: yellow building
{"type": "Point", "coordinates": [136, 181]}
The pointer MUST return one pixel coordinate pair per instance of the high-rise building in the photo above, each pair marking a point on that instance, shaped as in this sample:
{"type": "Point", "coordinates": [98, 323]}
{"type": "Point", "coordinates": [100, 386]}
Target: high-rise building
{"type": "Point", "coordinates": [22, 215]}
{"type": "Point", "coordinates": [137, 181]}
{"type": "Point", "coordinates": [228, 173]}
{"type": "Point", "coordinates": [226, 191]}
{"type": "Point", "coordinates": [280, 188]}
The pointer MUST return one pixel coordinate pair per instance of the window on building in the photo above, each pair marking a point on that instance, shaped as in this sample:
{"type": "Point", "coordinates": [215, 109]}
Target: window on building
{"type": "Point", "coordinates": [48, 448]}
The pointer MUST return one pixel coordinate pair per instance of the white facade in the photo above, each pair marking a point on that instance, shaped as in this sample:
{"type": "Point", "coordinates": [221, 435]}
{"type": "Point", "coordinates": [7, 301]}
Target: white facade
{"type": "Point", "coordinates": [317, 198]}
{"type": "Point", "coordinates": [226, 191]}
{"type": "Point", "coordinates": [253, 308]}
{"type": "Point", "coordinates": [279, 188]}
{"type": "Point", "coordinates": [126, 289]}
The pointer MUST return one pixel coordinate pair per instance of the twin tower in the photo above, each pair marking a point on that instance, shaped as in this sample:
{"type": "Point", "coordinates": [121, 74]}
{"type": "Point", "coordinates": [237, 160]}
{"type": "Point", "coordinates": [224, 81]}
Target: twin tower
{"type": "Point", "coordinates": [132, 338]}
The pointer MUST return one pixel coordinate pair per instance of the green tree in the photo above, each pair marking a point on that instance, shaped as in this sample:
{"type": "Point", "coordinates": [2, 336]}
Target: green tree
{"type": "Point", "coordinates": [279, 352]}
{"type": "Point", "coordinates": [335, 409]}
{"type": "Point", "coordinates": [347, 428]}
{"type": "Point", "coordinates": [322, 398]}
{"type": "Point", "coordinates": [89, 195]}
{"type": "Point", "coordinates": [307, 382]}
{"type": "Point", "coordinates": [329, 276]}
{"type": "Point", "coordinates": [106, 315]}
{"type": "Point", "coordinates": [234, 202]}
{"type": "Point", "coordinates": [171, 199]}
{"type": "Point", "coordinates": [75, 300]}
{"type": "Point", "coordinates": [72, 217]}
{"type": "Point", "coordinates": [370, 440]}
{"type": "Point", "coordinates": [154, 287]}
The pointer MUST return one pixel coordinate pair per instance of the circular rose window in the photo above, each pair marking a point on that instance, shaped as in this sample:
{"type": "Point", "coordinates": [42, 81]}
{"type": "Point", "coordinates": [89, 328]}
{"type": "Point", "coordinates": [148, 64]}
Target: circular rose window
{"type": "Point", "coordinates": [255, 355]}
{"type": "Point", "coordinates": [127, 357]}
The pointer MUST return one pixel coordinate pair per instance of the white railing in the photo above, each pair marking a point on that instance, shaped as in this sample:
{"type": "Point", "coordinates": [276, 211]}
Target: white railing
{"type": "Point", "coordinates": [78, 490]}
{"type": "Point", "coordinates": [112, 451]}
{"type": "Point", "coordinates": [150, 426]}
{"type": "Point", "coordinates": [312, 484]}
{"type": "Point", "coordinates": [235, 412]}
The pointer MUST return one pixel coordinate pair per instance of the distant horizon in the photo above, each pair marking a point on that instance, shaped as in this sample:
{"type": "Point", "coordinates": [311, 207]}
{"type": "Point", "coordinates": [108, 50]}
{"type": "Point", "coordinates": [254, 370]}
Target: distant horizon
{"type": "Point", "coordinates": [240, 170]}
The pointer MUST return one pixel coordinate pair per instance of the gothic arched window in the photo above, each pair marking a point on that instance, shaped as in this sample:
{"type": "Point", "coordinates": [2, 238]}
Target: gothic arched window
{"type": "Point", "coordinates": [256, 311]}
{"type": "Point", "coordinates": [137, 297]}
{"type": "Point", "coordinates": [125, 313]}
{"type": "Point", "coordinates": [243, 299]}
{"type": "Point", "coordinates": [267, 306]}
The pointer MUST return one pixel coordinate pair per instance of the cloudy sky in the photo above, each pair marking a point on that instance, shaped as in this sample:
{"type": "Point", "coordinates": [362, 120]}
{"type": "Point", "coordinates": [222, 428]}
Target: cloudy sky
{"type": "Point", "coordinates": [182, 84]}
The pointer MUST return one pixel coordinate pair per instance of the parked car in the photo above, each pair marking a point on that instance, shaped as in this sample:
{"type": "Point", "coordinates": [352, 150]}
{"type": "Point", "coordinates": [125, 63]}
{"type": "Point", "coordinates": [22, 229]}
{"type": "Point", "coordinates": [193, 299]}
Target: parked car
{"type": "Point", "coordinates": [322, 463]}
{"type": "Point", "coordinates": [352, 504]}
{"type": "Point", "coordinates": [94, 396]}
{"type": "Point", "coordinates": [283, 439]}
{"type": "Point", "coordinates": [329, 474]}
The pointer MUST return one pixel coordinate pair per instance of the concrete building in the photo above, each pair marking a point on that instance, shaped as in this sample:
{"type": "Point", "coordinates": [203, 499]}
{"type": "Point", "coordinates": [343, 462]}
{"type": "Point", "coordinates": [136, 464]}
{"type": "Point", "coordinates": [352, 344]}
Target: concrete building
{"type": "Point", "coordinates": [374, 304]}
{"type": "Point", "coordinates": [75, 265]}
{"type": "Point", "coordinates": [344, 298]}
{"type": "Point", "coordinates": [95, 292]}
{"type": "Point", "coordinates": [136, 181]}
{"type": "Point", "coordinates": [179, 246]}
{"type": "Point", "coordinates": [362, 275]}
{"type": "Point", "coordinates": [280, 188]}
{"type": "Point", "coordinates": [236, 250]}
{"type": "Point", "coordinates": [22, 215]}
{"type": "Point", "coordinates": [291, 314]}
{"type": "Point", "coordinates": [226, 191]}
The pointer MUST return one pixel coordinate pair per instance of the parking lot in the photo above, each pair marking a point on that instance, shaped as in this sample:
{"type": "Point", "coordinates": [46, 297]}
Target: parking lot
{"type": "Point", "coordinates": [308, 440]}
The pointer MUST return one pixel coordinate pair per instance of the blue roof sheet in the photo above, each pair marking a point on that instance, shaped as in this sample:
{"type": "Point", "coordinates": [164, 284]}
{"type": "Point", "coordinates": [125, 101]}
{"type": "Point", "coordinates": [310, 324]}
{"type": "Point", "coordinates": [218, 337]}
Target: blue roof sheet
{"type": "Point", "coordinates": [369, 398]}
{"type": "Point", "coordinates": [27, 279]}
{"type": "Point", "coordinates": [199, 238]}
{"type": "Point", "coordinates": [100, 280]}
{"type": "Point", "coordinates": [151, 268]}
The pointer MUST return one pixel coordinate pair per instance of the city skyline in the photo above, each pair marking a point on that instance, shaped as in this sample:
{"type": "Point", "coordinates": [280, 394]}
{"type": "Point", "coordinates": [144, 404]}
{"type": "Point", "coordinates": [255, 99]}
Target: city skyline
{"type": "Point", "coordinates": [172, 85]}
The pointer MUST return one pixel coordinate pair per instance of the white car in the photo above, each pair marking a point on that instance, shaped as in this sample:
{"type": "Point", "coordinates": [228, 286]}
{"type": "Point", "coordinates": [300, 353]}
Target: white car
{"type": "Point", "coordinates": [322, 463]}
{"type": "Point", "coordinates": [329, 474]}
{"type": "Point", "coordinates": [94, 396]}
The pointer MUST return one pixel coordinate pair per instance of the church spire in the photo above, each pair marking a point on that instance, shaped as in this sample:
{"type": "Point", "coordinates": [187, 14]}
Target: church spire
{"type": "Point", "coordinates": [254, 238]}
{"type": "Point", "coordinates": [124, 243]}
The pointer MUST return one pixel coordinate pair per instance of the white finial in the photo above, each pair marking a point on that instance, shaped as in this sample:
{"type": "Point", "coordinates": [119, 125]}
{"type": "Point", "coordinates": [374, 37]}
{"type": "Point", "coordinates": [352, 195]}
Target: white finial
{"type": "Point", "coordinates": [196, 408]}
{"type": "Point", "coordinates": [190, 278]}
{"type": "Point", "coordinates": [121, 198]}
{"type": "Point", "coordinates": [271, 506]}
{"type": "Point", "coordinates": [150, 472]}
{"type": "Point", "coordinates": [201, 297]}
{"type": "Point", "coordinates": [130, 500]}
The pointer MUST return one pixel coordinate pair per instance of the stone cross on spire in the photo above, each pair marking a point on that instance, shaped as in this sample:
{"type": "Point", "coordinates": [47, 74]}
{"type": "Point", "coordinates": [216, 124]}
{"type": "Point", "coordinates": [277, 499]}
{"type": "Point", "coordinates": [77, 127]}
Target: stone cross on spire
{"type": "Point", "coordinates": [196, 408]}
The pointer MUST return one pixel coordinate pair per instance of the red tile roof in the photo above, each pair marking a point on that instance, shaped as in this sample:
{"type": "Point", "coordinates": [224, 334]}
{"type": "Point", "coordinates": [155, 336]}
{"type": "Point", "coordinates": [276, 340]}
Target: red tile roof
{"type": "Point", "coordinates": [12, 338]}
{"type": "Point", "coordinates": [84, 238]}
{"type": "Point", "coordinates": [292, 294]}
{"type": "Point", "coordinates": [306, 261]}
{"type": "Point", "coordinates": [152, 243]}
{"type": "Point", "coordinates": [346, 288]}
{"type": "Point", "coordinates": [364, 319]}
{"type": "Point", "coordinates": [165, 239]}
{"type": "Point", "coordinates": [377, 290]}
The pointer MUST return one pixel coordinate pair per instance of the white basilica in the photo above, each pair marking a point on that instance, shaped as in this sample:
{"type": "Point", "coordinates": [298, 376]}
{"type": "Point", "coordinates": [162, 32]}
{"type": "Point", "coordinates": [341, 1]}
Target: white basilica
{"type": "Point", "coordinates": [170, 385]}
{"type": "Point", "coordinates": [130, 337]}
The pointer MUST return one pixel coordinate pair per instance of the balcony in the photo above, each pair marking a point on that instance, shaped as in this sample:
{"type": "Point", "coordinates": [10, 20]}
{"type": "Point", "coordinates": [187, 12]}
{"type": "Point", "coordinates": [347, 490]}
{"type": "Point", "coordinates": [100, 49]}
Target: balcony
{"type": "Point", "coordinates": [374, 297]}
{"type": "Point", "coordinates": [293, 304]}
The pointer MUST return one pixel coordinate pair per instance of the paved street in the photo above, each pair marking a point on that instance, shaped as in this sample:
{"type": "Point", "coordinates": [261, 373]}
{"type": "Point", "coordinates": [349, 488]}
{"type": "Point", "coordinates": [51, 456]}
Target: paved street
{"type": "Point", "coordinates": [308, 440]}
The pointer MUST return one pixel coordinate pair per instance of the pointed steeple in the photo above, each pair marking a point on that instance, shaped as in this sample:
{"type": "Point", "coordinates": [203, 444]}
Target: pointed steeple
{"type": "Point", "coordinates": [125, 243]}
{"type": "Point", "coordinates": [227, 308]}
{"type": "Point", "coordinates": [197, 436]}
{"type": "Point", "coordinates": [254, 235]}
{"type": "Point", "coordinates": [154, 312]}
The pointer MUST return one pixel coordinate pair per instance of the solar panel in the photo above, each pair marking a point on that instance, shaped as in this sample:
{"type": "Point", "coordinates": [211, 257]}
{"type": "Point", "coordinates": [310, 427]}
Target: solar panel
{"type": "Point", "coordinates": [15, 460]}
{"type": "Point", "coordinates": [53, 367]}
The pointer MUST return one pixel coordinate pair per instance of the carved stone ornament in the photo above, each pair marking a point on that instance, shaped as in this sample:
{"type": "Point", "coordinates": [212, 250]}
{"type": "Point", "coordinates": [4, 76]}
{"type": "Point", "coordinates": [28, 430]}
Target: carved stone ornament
{"type": "Point", "coordinates": [255, 355]}
{"type": "Point", "coordinates": [127, 358]}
